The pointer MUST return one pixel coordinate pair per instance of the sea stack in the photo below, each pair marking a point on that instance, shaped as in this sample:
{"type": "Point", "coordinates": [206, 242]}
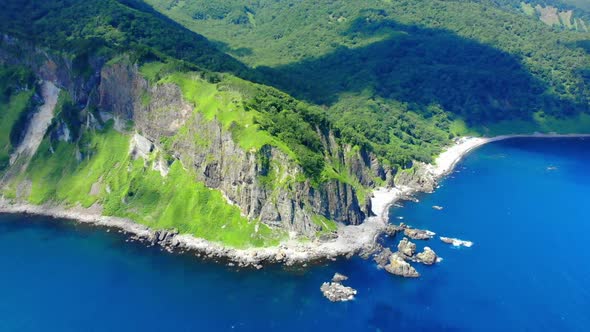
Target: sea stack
{"type": "Point", "coordinates": [428, 256]}
{"type": "Point", "coordinates": [398, 266]}
{"type": "Point", "coordinates": [335, 291]}
{"type": "Point", "coordinates": [406, 247]}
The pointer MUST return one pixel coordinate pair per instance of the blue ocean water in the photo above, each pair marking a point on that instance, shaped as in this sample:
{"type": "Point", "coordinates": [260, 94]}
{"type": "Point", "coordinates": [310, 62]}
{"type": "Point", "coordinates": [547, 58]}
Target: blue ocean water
{"type": "Point", "coordinates": [523, 202]}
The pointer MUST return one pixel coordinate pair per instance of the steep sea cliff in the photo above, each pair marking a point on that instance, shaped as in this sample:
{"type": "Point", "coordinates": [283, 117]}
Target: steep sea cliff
{"type": "Point", "coordinates": [176, 127]}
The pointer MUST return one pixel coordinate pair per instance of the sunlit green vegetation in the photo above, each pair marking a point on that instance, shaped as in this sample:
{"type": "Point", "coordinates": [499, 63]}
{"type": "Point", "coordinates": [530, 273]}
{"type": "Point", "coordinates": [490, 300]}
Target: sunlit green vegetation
{"type": "Point", "coordinates": [401, 78]}
{"type": "Point", "coordinates": [392, 76]}
{"type": "Point", "coordinates": [133, 189]}
{"type": "Point", "coordinates": [473, 59]}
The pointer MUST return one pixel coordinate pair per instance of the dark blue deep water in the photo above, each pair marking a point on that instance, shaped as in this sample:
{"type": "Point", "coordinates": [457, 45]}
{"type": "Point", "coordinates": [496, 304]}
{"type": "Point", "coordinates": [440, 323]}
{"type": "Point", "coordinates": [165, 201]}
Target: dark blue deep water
{"type": "Point", "coordinates": [524, 203]}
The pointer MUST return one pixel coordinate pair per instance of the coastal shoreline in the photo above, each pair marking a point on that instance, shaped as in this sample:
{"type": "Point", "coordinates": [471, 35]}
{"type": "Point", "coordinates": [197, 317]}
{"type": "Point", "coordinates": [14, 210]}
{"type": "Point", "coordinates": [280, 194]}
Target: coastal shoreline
{"type": "Point", "coordinates": [351, 240]}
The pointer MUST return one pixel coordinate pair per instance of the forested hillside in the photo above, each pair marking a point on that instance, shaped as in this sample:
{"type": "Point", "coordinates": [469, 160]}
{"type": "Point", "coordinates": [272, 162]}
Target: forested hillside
{"type": "Point", "coordinates": [561, 15]}
{"type": "Point", "coordinates": [475, 61]}
{"type": "Point", "coordinates": [387, 72]}
{"type": "Point", "coordinates": [107, 28]}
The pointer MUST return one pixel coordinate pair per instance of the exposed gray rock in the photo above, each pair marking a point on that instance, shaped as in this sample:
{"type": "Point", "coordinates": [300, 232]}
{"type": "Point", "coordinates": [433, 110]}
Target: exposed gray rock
{"type": "Point", "coordinates": [418, 177]}
{"type": "Point", "coordinates": [220, 163]}
{"type": "Point", "coordinates": [406, 247]}
{"type": "Point", "coordinates": [339, 277]}
{"type": "Point", "coordinates": [398, 266]}
{"type": "Point", "coordinates": [428, 256]}
{"type": "Point", "coordinates": [140, 147]}
{"type": "Point", "coordinates": [369, 249]}
{"type": "Point", "coordinates": [418, 234]}
{"type": "Point", "coordinates": [158, 111]}
{"type": "Point", "coordinates": [382, 258]}
{"type": "Point", "coordinates": [336, 292]}
{"type": "Point", "coordinates": [392, 229]}
{"type": "Point", "coordinates": [328, 236]}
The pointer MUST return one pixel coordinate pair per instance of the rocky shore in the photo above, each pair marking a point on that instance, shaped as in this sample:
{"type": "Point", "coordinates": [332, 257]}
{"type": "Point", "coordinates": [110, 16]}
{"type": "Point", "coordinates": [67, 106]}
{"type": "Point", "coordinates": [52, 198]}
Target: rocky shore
{"type": "Point", "coordinates": [397, 263]}
{"type": "Point", "coordinates": [350, 240]}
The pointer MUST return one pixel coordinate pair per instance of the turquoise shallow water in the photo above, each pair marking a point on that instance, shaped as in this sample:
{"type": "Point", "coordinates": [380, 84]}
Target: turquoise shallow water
{"type": "Point", "coordinates": [523, 203]}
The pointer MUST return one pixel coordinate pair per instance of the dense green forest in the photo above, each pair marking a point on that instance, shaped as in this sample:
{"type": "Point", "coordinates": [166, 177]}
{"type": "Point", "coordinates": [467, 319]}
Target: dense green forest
{"type": "Point", "coordinates": [399, 77]}
{"type": "Point", "coordinates": [475, 60]}
{"type": "Point", "coordinates": [90, 31]}
{"type": "Point", "coordinates": [108, 28]}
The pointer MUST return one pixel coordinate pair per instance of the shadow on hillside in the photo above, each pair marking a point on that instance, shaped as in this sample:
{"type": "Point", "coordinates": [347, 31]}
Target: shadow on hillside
{"type": "Point", "coordinates": [412, 64]}
{"type": "Point", "coordinates": [171, 38]}
{"type": "Point", "coordinates": [583, 44]}
{"type": "Point", "coordinates": [420, 66]}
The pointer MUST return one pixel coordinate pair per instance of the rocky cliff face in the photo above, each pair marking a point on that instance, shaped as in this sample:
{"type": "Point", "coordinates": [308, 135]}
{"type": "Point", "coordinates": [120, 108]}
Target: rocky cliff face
{"type": "Point", "coordinates": [217, 160]}
{"type": "Point", "coordinates": [419, 178]}
{"type": "Point", "coordinates": [60, 70]}
{"type": "Point", "coordinates": [165, 121]}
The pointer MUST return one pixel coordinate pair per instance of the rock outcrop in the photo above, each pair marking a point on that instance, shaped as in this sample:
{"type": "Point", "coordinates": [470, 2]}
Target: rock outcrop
{"type": "Point", "coordinates": [339, 277]}
{"type": "Point", "coordinates": [335, 291]}
{"type": "Point", "coordinates": [418, 234]}
{"type": "Point", "coordinates": [428, 256]}
{"type": "Point", "coordinates": [418, 178]}
{"type": "Point", "coordinates": [392, 229]}
{"type": "Point", "coordinates": [406, 248]}
{"type": "Point", "coordinates": [220, 163]}
{"type": "Point", "coordinates": [398, 266]}
{"type": "Point", "coordinates": [382, 258]}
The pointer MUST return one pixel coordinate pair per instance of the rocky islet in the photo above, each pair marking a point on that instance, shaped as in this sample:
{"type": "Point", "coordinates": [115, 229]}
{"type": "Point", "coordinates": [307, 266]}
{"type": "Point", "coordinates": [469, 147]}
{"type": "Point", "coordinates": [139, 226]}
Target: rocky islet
{"type": "Point", "coordinates": [335, 291]}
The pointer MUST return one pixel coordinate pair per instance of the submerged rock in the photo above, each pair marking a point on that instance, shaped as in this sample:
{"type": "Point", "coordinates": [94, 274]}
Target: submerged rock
{"type": "Point", "coordinates": [406, 247]}
{"type": "Point", "coordinates": [418, 234]}
{"type": "Point", "coordinates": [428, 256]}
{"type": "Point", "coordinates": [335, 291]}
{"type": "Point", "coordinates": [456, 242]}
{"type": "Point", "coordinates": [398, 266]}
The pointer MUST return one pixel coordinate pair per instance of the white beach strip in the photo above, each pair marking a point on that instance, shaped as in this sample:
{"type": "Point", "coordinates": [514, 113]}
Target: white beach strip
{"type": "Point", "coordinates": [383, 198]}
{"type": "Point", "coordinates": [447, 160]}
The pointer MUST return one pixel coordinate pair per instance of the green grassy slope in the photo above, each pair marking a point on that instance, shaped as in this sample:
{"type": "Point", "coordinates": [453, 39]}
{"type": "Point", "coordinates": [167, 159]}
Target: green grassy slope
{"type": "Point", "coordinates": [133, 189]}
{"type": "Point", "coordinates": [16, 92]}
